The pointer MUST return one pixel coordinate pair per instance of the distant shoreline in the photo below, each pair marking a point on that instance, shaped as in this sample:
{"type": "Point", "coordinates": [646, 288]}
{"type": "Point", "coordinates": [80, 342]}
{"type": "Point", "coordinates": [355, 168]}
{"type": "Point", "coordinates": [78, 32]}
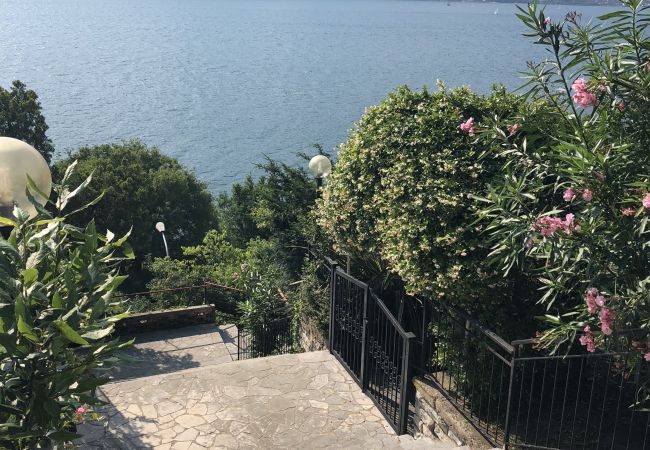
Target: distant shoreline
{"type": "Point", "coordinates": [611, 3]}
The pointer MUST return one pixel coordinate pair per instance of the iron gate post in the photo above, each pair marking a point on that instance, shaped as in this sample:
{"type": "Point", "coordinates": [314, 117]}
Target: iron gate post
{"type": "Point", "coordinates": [405, 383]}
{"type": "Point", "coordinates": [364, 340]}
{"type": "Point", "coordinates": [506, 428]}
{"type": "Point", "coordinates": [330, 338]}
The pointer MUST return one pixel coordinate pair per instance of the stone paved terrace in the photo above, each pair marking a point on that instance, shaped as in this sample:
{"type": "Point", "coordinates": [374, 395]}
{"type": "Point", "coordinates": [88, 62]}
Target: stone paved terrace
{"type": "Point", "coordinates": [305, 401]}
{"type": "Point", "coordinates": [167, 351]}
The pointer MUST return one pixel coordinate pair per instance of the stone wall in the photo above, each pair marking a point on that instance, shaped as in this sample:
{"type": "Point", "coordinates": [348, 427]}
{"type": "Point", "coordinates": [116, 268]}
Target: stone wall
{"type": "Point", "coordinates": [160, 320]}
{"type": "Point", "coordinates": [311, 338]}
{"type": "Point", "coordinates": [436, 418]}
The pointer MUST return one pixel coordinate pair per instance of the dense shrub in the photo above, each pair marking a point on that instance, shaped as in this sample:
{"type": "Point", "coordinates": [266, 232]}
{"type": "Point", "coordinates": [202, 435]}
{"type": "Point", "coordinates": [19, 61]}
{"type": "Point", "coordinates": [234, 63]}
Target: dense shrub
{"type": "Point", "coordinates": [218, 261]}
{"type": "Point", "coordinates": [401, 196]}
{"type": "Point", "coordinates": [56, 283]}
{"type": "Point", "coordinates": [141, 187]}
{"type": "Point", "coordinates": [274, 207]}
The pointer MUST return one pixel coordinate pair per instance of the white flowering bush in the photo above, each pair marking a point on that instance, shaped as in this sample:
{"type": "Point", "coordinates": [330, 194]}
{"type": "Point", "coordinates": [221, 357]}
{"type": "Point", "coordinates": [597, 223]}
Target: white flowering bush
{"type": "Point", "coordinates": [572, 215]}
{"type": "Point", "coordinates": [401, 200]}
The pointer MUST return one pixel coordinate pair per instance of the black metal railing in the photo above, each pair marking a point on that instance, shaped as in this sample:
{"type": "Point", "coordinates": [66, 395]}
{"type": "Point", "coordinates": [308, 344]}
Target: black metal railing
{"type": "Point", "coordinates": [371, 344]}
{"type": "Point", "coordinates": [265, 339]}
{"type": "Point", "coordinates": [206, 293]}
{"type": "Point", "coordinates": [518, 397]}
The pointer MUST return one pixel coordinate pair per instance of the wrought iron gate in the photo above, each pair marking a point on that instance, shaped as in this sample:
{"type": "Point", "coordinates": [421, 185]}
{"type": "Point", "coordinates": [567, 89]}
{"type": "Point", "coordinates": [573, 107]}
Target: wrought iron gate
{"type": "Point", "coordinates": [371, 344]}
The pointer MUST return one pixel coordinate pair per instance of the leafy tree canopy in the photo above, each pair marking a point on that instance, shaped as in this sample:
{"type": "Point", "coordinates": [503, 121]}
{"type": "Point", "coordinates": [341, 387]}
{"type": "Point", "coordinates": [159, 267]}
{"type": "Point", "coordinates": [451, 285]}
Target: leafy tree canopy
{"type": "Point", "coordinates": [21, 118]}
{"type": "Point", "coordinates": [141, 187]}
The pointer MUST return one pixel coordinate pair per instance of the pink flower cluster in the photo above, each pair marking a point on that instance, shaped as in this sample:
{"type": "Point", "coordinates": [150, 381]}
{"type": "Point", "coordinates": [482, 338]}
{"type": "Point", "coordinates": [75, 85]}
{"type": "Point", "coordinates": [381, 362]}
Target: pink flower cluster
{"type": "Point", "coordinates": [468, 127]}
{"type": "Point", "coordinates": [581, 94]}
{"type": "Point", "coordinates": [81, 412]}
{"type": "Point", "coordinates": [596, 300]}
{"type": "Point", "coordinates": [607, 317]}
{"type": "Point", "coordinates": [570, 193]}
{"type": "Point", "coordinates": [628, 211]}
{"type": "Point", "coordinates": [587, 340]}
{"type": "Point", "coordinates": [547, 226]}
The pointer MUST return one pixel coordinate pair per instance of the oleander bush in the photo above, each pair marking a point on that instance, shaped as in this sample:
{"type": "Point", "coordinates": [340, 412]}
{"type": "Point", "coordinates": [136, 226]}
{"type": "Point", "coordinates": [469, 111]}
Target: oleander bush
{"type": "Point", "coordinates": [56, 284]}
{"type": "Point", "coordinates": [572, 215]}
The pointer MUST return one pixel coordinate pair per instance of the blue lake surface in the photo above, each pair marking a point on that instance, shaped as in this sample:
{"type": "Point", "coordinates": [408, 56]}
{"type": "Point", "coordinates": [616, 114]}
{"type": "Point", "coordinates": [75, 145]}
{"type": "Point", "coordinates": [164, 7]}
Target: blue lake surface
{"type": "Point", "coordinates": [219, 83]}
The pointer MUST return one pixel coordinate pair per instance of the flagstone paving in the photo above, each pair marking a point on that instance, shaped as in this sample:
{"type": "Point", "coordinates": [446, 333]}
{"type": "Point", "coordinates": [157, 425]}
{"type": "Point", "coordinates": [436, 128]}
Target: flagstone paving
{"type": "Point", "coordinates": [167, 351]}
{"type": "Point", "coordinates": [304, 401]}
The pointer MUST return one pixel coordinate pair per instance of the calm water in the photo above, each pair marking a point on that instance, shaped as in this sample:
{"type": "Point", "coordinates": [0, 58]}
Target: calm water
{"type": "Point", "coordinates": [218, 83]}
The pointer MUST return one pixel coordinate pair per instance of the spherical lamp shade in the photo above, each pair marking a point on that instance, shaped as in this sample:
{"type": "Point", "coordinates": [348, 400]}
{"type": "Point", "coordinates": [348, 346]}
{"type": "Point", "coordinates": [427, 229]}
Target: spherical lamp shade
{"type": "Point", "coordinates": [320, 166]}
{"type": "Point", "coordinates": [17, 160]}
{"type": "Point", "coordinates": [160, 227]}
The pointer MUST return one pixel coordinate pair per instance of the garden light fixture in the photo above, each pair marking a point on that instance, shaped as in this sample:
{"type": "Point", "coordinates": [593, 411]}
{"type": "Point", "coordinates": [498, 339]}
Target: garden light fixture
{"type": "Point", "coordinates": [18, 160]}
{"type": "Point", "coordinates": [161, 229]}
{"type": "Point", "coordinates": [320, 167]}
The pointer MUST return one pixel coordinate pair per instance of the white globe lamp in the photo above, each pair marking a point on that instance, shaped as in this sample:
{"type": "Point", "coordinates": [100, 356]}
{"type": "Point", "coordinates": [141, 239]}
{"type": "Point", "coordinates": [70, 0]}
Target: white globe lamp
{"type": "Point", "coordinates": [18, 160]}
{"type": "Point", "coordinates": [320, 166]}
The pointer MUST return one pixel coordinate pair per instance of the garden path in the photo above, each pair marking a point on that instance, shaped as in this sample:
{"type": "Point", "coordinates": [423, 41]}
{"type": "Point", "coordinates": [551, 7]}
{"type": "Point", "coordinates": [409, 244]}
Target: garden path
{"type": "Point", "coordinates": [189, 394]}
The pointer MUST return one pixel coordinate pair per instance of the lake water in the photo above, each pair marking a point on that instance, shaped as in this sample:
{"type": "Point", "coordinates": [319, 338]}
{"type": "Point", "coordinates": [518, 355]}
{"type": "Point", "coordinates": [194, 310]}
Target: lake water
{"type": "Point", "coordinates": [219, 83]}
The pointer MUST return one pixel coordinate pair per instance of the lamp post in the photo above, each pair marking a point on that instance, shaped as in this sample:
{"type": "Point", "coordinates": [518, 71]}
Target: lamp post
{"type": "Point", "coordinates": [320, 167]}
{"type": "Point", "coordinates": [161, 228]}
{"type": "Point", "coordinates": [18, 160]}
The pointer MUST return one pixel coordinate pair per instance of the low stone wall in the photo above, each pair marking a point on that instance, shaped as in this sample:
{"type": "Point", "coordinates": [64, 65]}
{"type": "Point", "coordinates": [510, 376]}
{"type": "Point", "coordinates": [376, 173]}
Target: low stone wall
{"type": "Point", "coordinates": [311, 338]}
{"type": "Point", "coordinates": [160, 320]}
{"type": "Point", "coordinates": [436, 418]}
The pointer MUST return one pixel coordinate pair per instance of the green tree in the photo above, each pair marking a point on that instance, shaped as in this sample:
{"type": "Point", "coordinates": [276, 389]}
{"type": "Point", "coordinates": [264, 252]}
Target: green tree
{"type": "Point", "coordinates": [275, 207]}
{"type": "Point", "coordinates": [141, 187]}
{"type": "Point", "coordinates": [56, 282]}
{"type": "Point", "coordinates": [21, 118]}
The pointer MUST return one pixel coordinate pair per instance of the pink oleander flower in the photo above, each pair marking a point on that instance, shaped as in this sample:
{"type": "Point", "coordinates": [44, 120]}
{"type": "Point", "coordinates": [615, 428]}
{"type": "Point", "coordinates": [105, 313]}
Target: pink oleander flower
{"type": "Point", "coordinates": [569, 194]}
{"type": "Point", "coordinates": [568, 225]}
{"type": "Point", "coordinates": [590, 300]}
{"type": "Point", "coordinates": [646, 201]}
{"type": "Point", "coordinates": [628, 211]}
{"type": "Point", "coordinates": [587, 195]}
{"type": "Point", "coordinates": [607, 317]}
{"type": "Point", "coordinates": [582, 96]}
{"type": "Point", "coordinates": [585, 99]}
{"type": "Point", "coordinates": [647, 356]}
{"type": "Point", "coordinates": [547, 226]}
{"type": "Point", "coordinates": [468, 126]}
{"type": "Point", "coordinates": [547, 20]}
{"type": "Point", "coordinates": [512, 129]}
{"type": "Point", "coordinates": [621, 106]}
{"type": "Point", "coordinates": [80, 412]}
{"type": "Point", "coordinates": [587, 340]}
{"type": "Point", "coordinates": [600, 301]}
{"type": "Point", "coordinates": [579, 85]}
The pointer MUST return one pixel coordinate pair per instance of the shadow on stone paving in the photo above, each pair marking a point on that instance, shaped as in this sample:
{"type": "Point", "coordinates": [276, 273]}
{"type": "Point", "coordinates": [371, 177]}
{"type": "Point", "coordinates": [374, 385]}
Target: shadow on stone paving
{"type": "Point", "coordinates": [115, 431]}
{"type": "Point", "coordinates": [140, 362]}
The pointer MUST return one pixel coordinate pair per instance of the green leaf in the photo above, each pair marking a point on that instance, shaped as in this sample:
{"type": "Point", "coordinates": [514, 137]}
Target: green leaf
{"type": "Point", "coordinates": [11, 410]}
{"type": "Point", "coordinates": [63, 436]}
{"type": "Point", "coordinates": [98, 334]}
{"type": "Point", "coordinates": [29, 276]}
{"type": "Point", "coordinates": [69, 333]}
{"type": "Point", "coordinates": [27, 331]}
